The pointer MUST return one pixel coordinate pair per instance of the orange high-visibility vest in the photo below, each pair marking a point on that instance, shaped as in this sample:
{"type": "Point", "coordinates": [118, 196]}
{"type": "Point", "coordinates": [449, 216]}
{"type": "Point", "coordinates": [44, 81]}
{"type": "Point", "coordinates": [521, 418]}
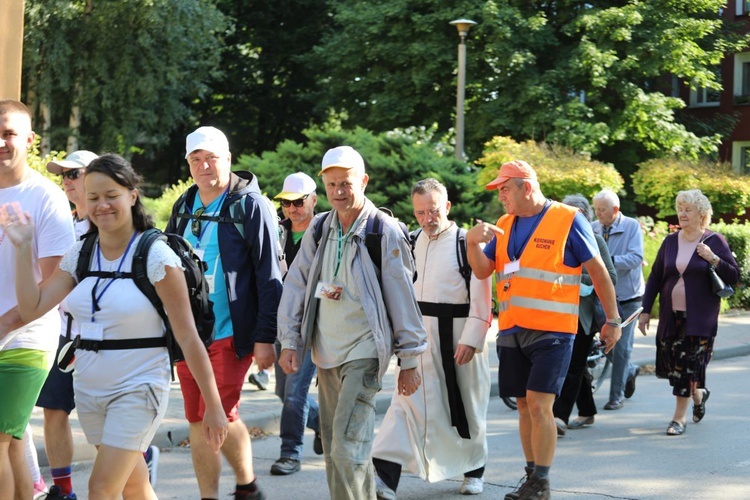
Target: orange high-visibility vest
{"type": "Point", "coordinates": [544, 293]}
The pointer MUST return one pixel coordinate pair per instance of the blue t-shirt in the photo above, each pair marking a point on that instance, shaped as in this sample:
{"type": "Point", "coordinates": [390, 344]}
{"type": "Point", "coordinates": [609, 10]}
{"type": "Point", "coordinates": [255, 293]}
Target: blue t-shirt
{"type": "Point", "coordinates": [208, 243]}
{"type": "Point", "coordinates": [580, 246]}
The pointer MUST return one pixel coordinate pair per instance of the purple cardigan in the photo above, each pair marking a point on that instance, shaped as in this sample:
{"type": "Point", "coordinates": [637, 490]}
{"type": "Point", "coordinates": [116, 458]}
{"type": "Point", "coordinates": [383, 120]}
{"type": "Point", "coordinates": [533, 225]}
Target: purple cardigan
{"type": "Point", "coordinates": [702, 304]}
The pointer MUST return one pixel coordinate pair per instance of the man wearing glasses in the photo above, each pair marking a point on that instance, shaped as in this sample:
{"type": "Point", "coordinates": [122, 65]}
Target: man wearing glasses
{"type": "Point", "coordinates": [228, 222]}
{"type": "Point", "coordinates": [298, 200]}
{"type": "Point", "coordinates": [440, 432]}
{"type": "Point", "coordinates": [57, 396]}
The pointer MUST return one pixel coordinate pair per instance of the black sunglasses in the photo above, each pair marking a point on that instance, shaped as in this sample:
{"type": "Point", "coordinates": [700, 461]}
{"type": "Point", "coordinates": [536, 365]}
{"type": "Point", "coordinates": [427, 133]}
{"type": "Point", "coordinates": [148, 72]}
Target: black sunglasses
{"type": "Point", "coordinates": [297, 203]}
{"type": "Point", "coordinates": [195, 226]}
{"type": "Point", "coordinates": [71, 174]}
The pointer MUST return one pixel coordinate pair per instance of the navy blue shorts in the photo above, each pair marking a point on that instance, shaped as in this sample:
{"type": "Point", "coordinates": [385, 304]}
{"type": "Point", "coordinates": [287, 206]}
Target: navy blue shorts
{"type": "Point", "coordinates": [533, 360]}
{"type": "Point", "coordinates": [57, 392]}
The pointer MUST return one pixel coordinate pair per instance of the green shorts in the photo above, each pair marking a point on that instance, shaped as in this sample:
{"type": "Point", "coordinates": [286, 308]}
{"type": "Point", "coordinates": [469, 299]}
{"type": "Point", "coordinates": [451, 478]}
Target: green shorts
{"type": "Point", "coordinates": [22, 374]}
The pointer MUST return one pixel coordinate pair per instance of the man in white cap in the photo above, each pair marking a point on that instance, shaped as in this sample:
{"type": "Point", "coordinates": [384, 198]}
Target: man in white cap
{"type": "Point", "coordinates": [536, 251]}
{"type": "Point", "coordinates": [57, 397]}
{"type": "Point", "coordinates": [227, 220]}
{"type": "Point", "coordinates": [298, 200]}
{"type": "Point", "coordinates": [335, 303]}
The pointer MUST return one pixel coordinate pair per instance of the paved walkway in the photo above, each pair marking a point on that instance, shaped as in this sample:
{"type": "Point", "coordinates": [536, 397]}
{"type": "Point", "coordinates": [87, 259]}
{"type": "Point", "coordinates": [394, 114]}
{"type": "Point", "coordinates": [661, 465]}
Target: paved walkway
{"type": "Point", "coordinates": [262, 409]}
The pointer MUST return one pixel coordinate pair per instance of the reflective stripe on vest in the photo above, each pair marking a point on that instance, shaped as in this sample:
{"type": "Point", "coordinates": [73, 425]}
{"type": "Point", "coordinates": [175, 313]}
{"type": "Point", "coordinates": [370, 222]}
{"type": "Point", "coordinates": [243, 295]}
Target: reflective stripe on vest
{"type": "Point", "coordinates": [544, 293]}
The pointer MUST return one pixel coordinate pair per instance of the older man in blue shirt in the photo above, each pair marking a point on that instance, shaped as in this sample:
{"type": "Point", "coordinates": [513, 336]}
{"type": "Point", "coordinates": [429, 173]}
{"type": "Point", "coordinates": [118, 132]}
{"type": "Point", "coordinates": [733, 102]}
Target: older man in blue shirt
{"type": "Point", "coordinates": [625, 242]}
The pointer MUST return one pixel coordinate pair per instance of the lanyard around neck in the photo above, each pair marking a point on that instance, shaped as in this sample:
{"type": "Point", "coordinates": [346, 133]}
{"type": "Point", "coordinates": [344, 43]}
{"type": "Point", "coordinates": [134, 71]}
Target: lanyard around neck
{"type": "Point", "coordinates": [94, 298]}
{"type": "Point", "coordinates": [200, 211]}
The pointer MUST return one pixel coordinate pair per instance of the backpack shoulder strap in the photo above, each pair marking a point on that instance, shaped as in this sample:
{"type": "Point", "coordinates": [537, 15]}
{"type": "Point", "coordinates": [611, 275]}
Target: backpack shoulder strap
{"type": "Point", "coordinates": [373, 235]}
{"type": "Point", "coordinates": [84, 257]}
{"type": "Point", "coordinates": [463, 258]}
{"type": "Point", "coordinates": [318, 227]}
{"type": "Point", "coordinates": [180, 216]}
{"type": "Point", "coordinates": [413, 237]}
{"type": "Point", "coordinates": [140, 267]}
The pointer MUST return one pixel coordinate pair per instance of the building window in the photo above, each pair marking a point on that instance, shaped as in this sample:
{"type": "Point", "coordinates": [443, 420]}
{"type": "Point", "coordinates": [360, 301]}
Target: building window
{"type": "Point", "coordinates": [703, 97]}
{"type": "Point", "coordinates": [743, 7]}
{"type": "Point", "coordinates": [741, 157]}
{"type": "Point", "coordinates": [741, 89]}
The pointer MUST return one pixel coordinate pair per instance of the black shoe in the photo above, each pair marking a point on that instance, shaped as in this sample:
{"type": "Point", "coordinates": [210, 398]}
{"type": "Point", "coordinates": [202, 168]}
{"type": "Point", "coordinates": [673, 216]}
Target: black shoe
{"type": "Point", "coordinates": [248, 495]}
{"type": "Point", "coordinates": [514, 494]}
{"type": "Point", "coordinates": [54, 493]}
{"type": "Point", "coordinates": [536, 488]}
{"type": "Point", "coordinates": [318, 444]}
{"type": "Point", "coordinates": [675, 428]}
{"type": "Point", "coordinates": [699, 411]}
{"type": "Point", "coordinates": [630, 384]}
{"type": "Point", "coordinates": [285, 466]}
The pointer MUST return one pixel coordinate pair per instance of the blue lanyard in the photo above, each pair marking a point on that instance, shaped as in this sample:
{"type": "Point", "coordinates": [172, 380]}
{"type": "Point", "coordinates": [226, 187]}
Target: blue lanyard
{"type": "Point", "coordinates": [94, 298]}
{"type": "Point", "coordinates": [340, 242]}
{"type": "Point", "coordinates": [202, 210]}
{"type": "Point", "coordinates": [516, 251]}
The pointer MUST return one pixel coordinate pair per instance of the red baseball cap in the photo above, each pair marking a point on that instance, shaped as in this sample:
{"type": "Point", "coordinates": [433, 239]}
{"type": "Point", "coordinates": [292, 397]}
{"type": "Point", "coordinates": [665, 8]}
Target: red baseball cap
{"type": "Point", "coordinates": [516, 169]}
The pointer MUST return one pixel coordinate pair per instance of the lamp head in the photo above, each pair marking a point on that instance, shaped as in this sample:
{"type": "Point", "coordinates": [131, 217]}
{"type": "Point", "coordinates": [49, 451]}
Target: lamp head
{"type": "Point", "coordinates": [463, 26]}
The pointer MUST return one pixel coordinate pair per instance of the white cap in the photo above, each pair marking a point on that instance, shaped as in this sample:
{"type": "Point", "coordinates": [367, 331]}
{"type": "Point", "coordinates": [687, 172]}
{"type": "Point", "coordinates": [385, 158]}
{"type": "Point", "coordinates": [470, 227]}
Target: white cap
{"type": "Point", "coordinates": [209, 139]}
{"type": "Point", "coordinates": [75, 160]}
{"type": "Point", "coordinates": [296, 186]}
{"type": "Point", "coordinates": [343, 157]}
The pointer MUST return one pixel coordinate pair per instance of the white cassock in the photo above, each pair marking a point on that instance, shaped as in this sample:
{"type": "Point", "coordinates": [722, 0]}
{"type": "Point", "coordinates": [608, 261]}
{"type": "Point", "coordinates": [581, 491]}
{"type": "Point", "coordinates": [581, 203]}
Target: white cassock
{"type": "Point", "coordinates": [416, 431]}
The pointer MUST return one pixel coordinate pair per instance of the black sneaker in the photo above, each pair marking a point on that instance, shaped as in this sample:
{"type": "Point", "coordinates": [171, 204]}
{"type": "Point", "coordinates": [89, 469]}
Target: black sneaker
{"type": "Point", "coordinates": [285, 466]}
{"type": "Point", "coordinates": [248, 495]}
{"type": "Point", "coordinates": [536, 488]}
{"type": "Point", "coordinates": [514, 494]}
{"type": "Point", "coordinates": [630, 384]}
{"type": "Point", "coordinates": [318, 443]}
{"type": "Point", "coordinates": [54, 493]}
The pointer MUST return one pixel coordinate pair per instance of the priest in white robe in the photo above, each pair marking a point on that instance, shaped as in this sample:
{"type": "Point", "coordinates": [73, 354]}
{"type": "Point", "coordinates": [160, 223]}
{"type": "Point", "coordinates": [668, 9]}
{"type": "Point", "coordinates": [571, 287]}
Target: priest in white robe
{"type": "Point", "coordinates": [439, 432]}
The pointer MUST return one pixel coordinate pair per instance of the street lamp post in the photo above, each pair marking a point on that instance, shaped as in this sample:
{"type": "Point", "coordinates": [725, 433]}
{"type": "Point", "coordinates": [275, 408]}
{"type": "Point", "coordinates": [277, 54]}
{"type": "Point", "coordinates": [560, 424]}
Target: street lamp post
{"type": "Point", "coordinates": [463, 26]}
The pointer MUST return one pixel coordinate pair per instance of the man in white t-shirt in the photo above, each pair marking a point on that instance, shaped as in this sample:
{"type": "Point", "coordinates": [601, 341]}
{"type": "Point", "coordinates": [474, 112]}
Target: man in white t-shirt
{"type": "Point", "coordinates": [25, 348]}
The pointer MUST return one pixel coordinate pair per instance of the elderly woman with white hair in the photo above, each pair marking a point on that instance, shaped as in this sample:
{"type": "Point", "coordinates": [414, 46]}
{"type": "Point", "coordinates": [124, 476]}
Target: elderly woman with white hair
{"type": "Point", "coordinates": [688, 307]}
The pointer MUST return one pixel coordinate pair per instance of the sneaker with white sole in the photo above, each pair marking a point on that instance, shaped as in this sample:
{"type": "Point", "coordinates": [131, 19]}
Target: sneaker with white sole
{"type": "Point", "coordinates": [152, 462]}
{"type": "Point", "coordinates": [259, 380]}
{"type": "Point", "coordinates": [472, 486]}
{"type": "Point", "coordinates": [382, 491]}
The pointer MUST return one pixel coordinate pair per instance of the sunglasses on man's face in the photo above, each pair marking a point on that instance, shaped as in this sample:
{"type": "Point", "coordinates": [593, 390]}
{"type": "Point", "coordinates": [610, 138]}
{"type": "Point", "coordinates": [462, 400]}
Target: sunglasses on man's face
{"type": "Point", "coordinates": [195, 226]}
{"type": "Point", "coordinates": [299, 203]}
{"type": "Point", "coordinates": [72, 174]}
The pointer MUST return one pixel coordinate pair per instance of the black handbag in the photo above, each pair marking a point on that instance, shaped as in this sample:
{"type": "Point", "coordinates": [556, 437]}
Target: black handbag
{"type": "Point", "coordinates": [717, 284]}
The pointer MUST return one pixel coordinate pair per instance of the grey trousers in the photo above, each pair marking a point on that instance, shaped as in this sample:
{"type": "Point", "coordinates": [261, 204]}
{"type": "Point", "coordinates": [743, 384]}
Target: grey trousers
{"type": "Point", "coordinates": [346, 397]}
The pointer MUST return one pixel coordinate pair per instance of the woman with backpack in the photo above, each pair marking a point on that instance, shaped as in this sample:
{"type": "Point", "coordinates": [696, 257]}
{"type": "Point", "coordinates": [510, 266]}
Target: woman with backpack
{"type": "Point", "coordinates": [121, 394]}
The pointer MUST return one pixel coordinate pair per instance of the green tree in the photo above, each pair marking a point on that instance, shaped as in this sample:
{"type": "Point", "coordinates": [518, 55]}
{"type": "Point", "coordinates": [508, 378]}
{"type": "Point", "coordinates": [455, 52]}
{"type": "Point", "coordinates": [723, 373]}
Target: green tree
{"type": "Point", "coordinates": [394, 162]}
{"type": "Point", "coordinates": [268, 90]}
{"type": "Point", "coordinates": [589, 75]}
{"type": "Point", "coordinates": [118, 76]}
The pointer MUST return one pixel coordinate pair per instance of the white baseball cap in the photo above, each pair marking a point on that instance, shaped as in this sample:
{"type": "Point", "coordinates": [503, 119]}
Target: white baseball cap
{"type": "Point", "coordinates": [75, 160]}
{"type": "Point", "coordinates": [209, 139]}
{"type": "Point", "coordinates": [296, 186]}
{"type": "Point", "coordinates": [343, 157]}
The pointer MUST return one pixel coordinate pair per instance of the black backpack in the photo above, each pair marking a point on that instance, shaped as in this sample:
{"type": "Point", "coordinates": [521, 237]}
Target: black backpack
{"type": "Point", "coordinates": [198, 292]}
{"type": "Point", "coordinates": [461, 254]}
{"type": "Point", "coordinates": [373, 235]}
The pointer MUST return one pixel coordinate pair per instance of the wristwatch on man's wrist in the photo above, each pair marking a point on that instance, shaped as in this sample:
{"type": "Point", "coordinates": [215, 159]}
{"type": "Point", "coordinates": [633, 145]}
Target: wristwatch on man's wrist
{"type": "Point", "coordinates": [614, 322]}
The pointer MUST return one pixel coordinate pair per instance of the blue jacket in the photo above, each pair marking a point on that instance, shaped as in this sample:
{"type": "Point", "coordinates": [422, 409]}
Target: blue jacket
{"type": "Point", "coordinates": [251, 264]}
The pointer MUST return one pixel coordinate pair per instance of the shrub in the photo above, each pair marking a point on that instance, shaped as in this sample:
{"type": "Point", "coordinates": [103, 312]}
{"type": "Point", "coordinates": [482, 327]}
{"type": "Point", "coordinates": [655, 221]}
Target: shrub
{"type": "Point", "coordinates": [656, 183]}
{"type": "Point", "coordinates": [560, 171]}
{"type": "Point", "coordinates": [394, 162]}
